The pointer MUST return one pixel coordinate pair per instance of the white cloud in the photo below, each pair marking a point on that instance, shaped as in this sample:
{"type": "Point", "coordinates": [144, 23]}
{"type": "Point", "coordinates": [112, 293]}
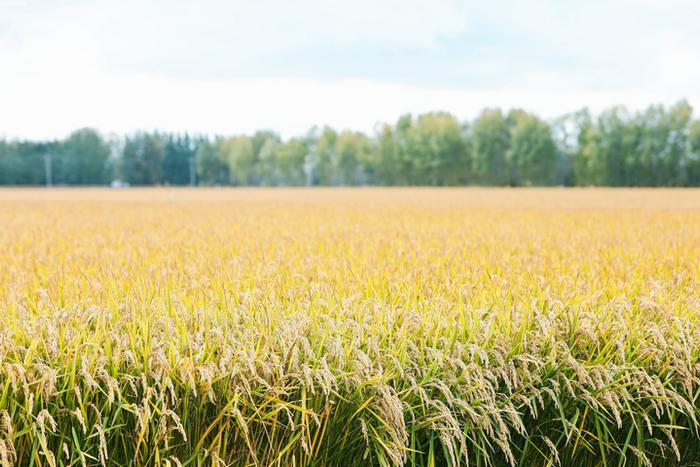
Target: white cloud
{"type": "Point", "coordinates": [182, 65]}
{"type": "Point", "coordinates": [165, 31]}
{"type": "Point", "coordinates": [126, 102]}
{"type": "Point", "coordinates": [678, 67]}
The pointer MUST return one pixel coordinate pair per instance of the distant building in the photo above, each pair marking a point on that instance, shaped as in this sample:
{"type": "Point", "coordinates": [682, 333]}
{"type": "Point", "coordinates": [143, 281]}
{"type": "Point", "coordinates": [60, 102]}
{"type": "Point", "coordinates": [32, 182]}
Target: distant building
{"type": "Point", "coordinates": [119, 184]}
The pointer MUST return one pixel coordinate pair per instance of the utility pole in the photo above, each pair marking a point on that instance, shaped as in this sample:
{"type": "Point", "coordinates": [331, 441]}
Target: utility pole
{"type": "Point", "coordinates": [47, 169]}
{"type": "Point", "coordinates": [309, 167]}
{"type": "Point", "coordinates": [193, 172]}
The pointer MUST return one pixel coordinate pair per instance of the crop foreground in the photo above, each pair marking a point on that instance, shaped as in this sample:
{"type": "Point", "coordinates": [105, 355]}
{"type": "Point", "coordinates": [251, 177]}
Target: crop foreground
{"type": "Point", "coordinates": [344, 327]}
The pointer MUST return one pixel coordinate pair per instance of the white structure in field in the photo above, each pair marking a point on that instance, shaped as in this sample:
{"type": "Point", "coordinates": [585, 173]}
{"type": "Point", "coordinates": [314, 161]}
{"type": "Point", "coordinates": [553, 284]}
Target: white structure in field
{"type": "Point", "coordinates": [119, 184]}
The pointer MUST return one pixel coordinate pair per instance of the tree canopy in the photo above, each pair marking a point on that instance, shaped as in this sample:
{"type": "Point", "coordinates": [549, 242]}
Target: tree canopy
{"type": "Point", "coordinates": [658, 146]}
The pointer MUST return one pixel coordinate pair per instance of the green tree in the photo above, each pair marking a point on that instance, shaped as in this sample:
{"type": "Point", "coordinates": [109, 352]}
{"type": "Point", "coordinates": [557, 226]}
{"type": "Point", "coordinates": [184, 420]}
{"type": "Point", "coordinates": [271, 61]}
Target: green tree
{"type": "Point", "coordinates": [142, 159]}
{"type": "Point", "coordinates": [267, 169]}
{"type": "Point", "coordinates": [439, 150]}
{"type": "Point", "coordinates": [290, 161]}
{"type": "Point", "coordinates": [178, 150]}
{"type": "Point", "coordinates": [647, 148]}
{"type": "Point", "coordinates": [325, 164]}
{"type": "Point", "coordinates": [565, 132]}
{"type": "Point", "coordinates": [30, 158]}
{"type": "Point", "coordinates": [532, 155]}
{"type": "Point", "coordinates": [692, 161]}
{"type": "Point", "coordinates": [83, 159]}
{"type": "Point", "coordinates": [22, 162]}
{"type": "Point", "coordinates": [672, 158]}
{"type": "Point", "coordinates": [240, 158]}
{"type": "Point", "coordinates": [212, 168]}
{"type": "Point", "coordinates": [353, 158]}
{"type": "Point", "coordinates": [387, 157]}
{"type": "Point", "coordinates": [490, 138]}
{"type": "Point", "coordinates": [405, 169]}
{"type": "Point", "coordinates": [605, 156]}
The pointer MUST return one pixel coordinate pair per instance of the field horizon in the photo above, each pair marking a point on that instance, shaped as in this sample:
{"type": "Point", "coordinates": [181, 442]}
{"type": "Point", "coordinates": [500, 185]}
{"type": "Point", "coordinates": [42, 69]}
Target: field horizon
{"type": "Point", "coordinates": [636, 196]}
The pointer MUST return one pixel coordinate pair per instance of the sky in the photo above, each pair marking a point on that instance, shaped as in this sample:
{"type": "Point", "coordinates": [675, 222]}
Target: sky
{"type": "Point", "coordinates": [231, 67]}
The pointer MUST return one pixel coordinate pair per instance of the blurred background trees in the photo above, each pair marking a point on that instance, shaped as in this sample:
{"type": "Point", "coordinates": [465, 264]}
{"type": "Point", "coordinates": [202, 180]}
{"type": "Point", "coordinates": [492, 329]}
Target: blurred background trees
{"type": "Point", "coordinates": [659, 146]}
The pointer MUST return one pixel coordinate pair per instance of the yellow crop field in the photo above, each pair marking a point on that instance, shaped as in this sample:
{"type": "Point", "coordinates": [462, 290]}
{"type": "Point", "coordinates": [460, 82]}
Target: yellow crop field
{"type": "Point", "coordinates": [349, 327]}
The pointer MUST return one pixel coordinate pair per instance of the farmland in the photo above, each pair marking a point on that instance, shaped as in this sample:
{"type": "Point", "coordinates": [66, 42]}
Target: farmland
{"type": "Point", "coordinates": [349, 326]}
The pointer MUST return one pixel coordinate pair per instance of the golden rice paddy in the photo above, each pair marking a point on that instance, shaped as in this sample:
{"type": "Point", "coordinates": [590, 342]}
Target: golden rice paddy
{"type": "Point", "coordinates": [349, 326]}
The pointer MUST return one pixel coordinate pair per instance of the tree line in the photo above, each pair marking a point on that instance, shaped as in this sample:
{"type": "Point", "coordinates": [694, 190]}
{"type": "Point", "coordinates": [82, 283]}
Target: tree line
{"type": "Point", "coordinates": [659, 146]}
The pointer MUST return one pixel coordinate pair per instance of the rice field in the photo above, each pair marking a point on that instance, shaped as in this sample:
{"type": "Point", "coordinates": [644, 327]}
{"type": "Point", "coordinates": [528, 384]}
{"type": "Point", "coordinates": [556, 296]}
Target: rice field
{"type": "Point", "coordinates": [388, 327]}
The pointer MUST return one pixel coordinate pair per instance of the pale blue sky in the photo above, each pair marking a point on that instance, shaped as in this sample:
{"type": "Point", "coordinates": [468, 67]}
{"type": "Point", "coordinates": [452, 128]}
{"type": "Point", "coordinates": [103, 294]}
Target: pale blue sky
{"type": "Point", "coordinates": [229, 67]}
